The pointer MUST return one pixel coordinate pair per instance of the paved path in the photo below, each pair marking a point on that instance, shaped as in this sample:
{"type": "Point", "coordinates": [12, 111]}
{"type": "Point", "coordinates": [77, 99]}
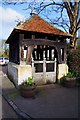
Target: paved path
{"type": "Point", "coordinates": [52, 101]}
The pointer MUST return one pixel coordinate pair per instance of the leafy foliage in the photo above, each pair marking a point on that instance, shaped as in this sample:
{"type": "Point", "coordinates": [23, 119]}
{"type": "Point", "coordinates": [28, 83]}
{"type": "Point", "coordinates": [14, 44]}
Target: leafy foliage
{"type": "Point", "coordinates": [29, 81]}
{"type": "Point", "coordinates": [70, 75]}
{"type": "Point", "coordinates": [5, 53]}
{"type": "Point", "coordinates": [74, 61]}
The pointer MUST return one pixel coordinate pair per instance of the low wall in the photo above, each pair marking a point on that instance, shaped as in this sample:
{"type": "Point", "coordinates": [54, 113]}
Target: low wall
{"type": "Point", "coordinates": [62, 70]}
{"type": "Point", "coordinates": [19, 73]}
{"type": "Point", "coordinates": [48, 77]}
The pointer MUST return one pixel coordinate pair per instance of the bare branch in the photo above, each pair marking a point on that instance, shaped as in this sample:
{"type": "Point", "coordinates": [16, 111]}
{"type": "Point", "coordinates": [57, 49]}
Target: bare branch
{"type": "Point", "coordinates": [60, 24]}
{"type": "Point", "coordinates": [41, 8]}
{"type": "Point", "coordinates": [68, 9]}
{"type": "Point", "coordinates": [61, 14]}
{"type": "Point", "coordinates": [13, 3]}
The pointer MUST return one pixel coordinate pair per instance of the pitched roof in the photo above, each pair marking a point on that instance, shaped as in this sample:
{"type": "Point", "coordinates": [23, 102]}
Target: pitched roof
{"type": "Point", "coordinates": [37, 24]}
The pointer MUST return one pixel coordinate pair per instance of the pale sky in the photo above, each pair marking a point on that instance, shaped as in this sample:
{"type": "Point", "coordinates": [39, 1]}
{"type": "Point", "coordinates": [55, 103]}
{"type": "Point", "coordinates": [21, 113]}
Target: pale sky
{"type": "Point", "coordinates": [9, 15]}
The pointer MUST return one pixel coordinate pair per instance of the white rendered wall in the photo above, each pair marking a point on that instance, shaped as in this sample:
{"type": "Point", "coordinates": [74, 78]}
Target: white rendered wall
{"type": "Point", "coordinates": [19, 73]}
{"type": "Point", "coordinates": [62, 70]}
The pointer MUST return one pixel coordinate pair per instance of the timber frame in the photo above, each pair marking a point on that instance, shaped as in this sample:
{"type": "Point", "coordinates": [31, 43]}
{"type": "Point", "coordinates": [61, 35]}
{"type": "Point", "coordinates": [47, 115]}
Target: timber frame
{"type": "Point", "coordinates": [17, 45]}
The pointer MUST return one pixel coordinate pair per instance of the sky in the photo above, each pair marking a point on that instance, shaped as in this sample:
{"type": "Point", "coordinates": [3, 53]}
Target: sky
{"type": "Point", "coordinates": [10, 15]}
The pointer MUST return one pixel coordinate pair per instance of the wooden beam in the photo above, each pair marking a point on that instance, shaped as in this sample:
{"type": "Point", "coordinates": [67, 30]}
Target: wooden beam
{"type": "Point", "coordinates": [40, 42]}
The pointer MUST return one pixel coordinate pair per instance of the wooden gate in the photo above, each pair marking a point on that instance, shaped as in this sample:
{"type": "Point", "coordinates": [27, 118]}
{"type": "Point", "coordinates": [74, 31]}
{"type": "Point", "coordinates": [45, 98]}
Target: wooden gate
{"type": "Point", "coordinates": [44, 71]}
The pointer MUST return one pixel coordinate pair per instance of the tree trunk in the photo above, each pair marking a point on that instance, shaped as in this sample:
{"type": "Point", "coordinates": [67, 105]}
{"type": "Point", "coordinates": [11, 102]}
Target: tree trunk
{"type": "Point", "coordinates": [72, 31]}
{"type": "Point", "coordinates": [72, 11]}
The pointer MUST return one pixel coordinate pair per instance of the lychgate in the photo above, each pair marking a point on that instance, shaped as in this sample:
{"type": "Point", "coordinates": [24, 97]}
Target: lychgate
{"type": "Point", "coordinates": [38, 50]}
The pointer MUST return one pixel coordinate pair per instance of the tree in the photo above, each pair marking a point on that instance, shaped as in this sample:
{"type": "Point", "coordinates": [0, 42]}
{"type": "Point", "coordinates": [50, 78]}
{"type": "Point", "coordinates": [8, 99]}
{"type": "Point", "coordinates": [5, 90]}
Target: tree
{"type": "Point", "coordinates": [5, 49]}
{"type": "Point", "coordinates": [70, 25]}
{"type": "Point", "coordinates": [72, 10]}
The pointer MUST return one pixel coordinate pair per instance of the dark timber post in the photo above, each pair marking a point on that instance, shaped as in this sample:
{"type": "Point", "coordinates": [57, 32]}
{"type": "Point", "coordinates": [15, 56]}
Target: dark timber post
{"type": "Point", "coordinates": [21, 37]}
{"type": "Point", "coordinates": [30, 49]}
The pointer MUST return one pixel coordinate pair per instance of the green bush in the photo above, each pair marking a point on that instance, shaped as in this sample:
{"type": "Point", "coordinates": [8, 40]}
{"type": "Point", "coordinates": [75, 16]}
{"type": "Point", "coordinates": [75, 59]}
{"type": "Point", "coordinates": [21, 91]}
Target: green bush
{"type": "Point", "coordinates": [78, 77]}
{"type": "Point", "coordinates": [74, 62]}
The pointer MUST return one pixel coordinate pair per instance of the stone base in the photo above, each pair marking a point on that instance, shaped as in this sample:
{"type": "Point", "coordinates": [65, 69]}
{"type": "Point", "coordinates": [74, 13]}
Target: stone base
{"type": "Point", "coordinates": [47, 78]}
{"type": "Point", "coordinates": [19, 73]}
{"type": "Point", "coordinates": [62, 70]}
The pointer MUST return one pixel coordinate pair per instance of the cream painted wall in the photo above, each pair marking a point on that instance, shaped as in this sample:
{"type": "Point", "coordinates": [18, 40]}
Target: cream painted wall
{"type": "Point", "coordinates": [19, 73]}
{"type": "Point", "coordinates": [62, 70]}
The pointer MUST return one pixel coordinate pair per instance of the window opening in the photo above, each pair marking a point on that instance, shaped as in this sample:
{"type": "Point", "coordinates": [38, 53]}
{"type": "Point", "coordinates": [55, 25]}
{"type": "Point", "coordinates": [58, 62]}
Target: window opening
{"type": "Point", "coordinates": [52, 53]}
{"type": "Point", "coordinates": [47, 54]}
{"type": "Point", "coordinates": [49, 67]}
{"type": "Point", "coordinates": [44, 54]}
{"type": "Point", "coordinates": [25, 51]}
{"type": "Point", "coordinates": [38, 67]}
{"type": "Point", "coordinates": [62, 53]}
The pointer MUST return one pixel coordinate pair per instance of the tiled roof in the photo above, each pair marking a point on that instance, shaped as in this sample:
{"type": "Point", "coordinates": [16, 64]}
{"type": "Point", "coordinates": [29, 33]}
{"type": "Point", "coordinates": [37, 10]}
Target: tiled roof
{"type": "Point", "coordinates": [37, 24]}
